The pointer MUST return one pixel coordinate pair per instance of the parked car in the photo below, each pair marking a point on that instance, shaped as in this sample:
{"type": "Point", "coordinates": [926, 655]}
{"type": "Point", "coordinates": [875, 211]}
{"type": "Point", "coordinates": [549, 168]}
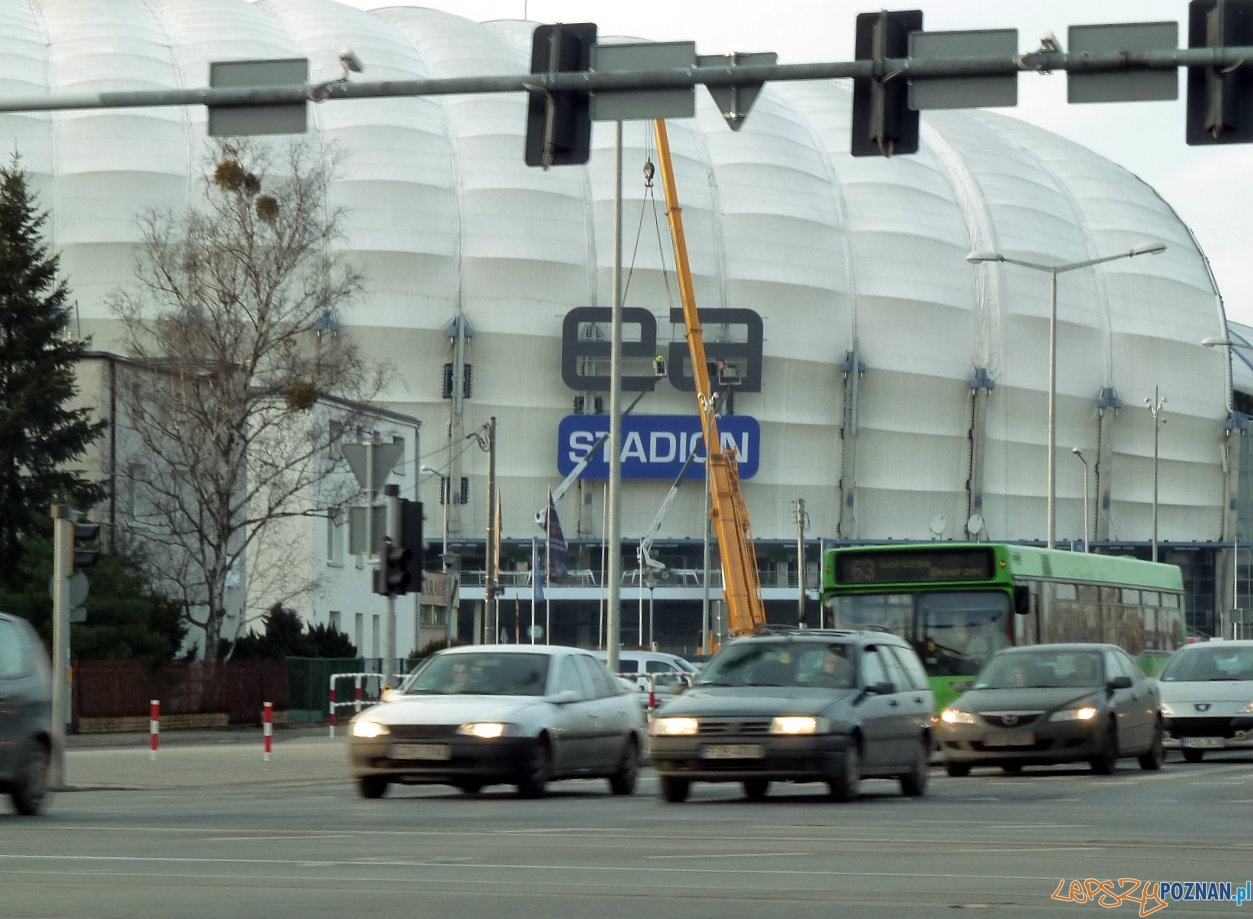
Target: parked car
{"type": "Point", "coordinates": [799, 706]}
{"type": "Point", "coordinates": [1207, 697]}
{"type": "Point", "coordinates": [516, 714]}
{"type": "Point", "coordinates": [25, 716]}
{"type": "Point", "coordinates": [663, 675]}
{"type": "Point", "coordinates": [1060, 703]}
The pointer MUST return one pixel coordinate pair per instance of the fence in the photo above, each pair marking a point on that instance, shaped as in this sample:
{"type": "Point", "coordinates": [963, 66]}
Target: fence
{"type": "Point", "coordinates": [110, 695]}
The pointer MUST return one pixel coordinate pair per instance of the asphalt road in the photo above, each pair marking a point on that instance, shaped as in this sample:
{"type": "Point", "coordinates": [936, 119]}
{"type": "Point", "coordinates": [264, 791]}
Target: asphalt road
{"type": "Point", "coordinates": [291, 838]}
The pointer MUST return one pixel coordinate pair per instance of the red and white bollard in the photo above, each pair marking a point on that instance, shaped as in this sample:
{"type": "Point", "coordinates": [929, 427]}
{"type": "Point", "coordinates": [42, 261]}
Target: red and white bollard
{"type": "Point", "coordinates": [154, 727]}
{"type": "Point", "coordinates": [268, 728]}
{"type": "Point", "coordinates": [332, 707]}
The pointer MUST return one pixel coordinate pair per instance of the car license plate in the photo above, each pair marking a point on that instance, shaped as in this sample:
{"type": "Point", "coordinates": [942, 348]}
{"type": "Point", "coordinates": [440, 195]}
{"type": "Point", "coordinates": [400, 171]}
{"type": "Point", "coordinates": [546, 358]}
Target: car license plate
{"type": "Point", "coordinates": [1010, 739]}
{"type": "Point", "coordinates": [421, 751]}
{"type": "Point", "coordinates": [732, 751]}
{"type": "Point", "coordinates": [1202, 743]}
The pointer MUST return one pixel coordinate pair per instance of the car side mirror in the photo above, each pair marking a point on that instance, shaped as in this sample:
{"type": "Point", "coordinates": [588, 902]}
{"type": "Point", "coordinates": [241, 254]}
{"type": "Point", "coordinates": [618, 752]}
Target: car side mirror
{"type": "Point", "coordinates": [882, 688]}
{"type": "Point", "coordinates": [389, 695]}
{"type": "Point", "coordinates": [1120, 682]}
{"type": "Point", "coordinates": [961, 685]}
{"type": "Point", "coordinates": [565, 696]}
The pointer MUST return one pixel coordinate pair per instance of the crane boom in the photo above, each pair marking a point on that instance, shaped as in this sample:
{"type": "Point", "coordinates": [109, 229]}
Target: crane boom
{"type": "Point", "coordinates": [741, 585]}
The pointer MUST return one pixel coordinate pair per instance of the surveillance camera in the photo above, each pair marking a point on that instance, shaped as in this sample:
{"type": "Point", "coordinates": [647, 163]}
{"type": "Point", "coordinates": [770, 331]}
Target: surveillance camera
{"type": "Point", "coordinates": [349, 59]}
{"type": "Point", "coordinates": [1049, 42]}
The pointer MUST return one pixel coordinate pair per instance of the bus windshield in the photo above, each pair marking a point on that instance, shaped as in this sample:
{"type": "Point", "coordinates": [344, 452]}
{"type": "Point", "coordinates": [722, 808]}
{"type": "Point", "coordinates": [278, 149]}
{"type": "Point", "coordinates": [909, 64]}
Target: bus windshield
{"type": "Point", "coordinates": [954, 631]}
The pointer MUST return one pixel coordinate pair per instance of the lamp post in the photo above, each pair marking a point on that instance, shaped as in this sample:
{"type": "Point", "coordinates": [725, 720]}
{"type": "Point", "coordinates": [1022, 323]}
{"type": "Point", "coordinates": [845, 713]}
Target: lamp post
{"type": "Point", "coordinates": [1155, 406]}
{"type": "Point", "coordinates": [1087, 521]}
{"type": "Point", "coordinates": [1053, 271]}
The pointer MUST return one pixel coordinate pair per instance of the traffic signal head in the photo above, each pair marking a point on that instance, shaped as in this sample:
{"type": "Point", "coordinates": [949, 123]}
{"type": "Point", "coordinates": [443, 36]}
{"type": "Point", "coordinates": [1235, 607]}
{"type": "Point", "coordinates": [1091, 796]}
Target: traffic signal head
{"type": "Point", "coordinates": [559, 124]}
{"type": "Point", "coordinates": [883, 122]}
{"type": "Point", "coordinates": [395, 574]}
{"type": "Point", "coordinates": [85, 533]}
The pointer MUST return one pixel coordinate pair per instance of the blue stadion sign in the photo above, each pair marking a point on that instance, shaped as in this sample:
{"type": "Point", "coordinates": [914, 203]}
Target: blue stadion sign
{"type": "Point", "coordinates": [655, 446]}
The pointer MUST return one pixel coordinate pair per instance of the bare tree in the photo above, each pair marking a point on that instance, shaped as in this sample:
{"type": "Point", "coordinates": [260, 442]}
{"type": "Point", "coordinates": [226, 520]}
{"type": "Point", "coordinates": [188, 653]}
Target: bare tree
{"type": "Point", "coordinates": [224, 402]}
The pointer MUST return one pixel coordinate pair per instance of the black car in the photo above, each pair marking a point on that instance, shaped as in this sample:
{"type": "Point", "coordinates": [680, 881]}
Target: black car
{"type": "Point", "coordinates": [1060, 703]}
{"type": "Point", "coordinates": [25, 715]}
{"type": "Point", "coordinates": [799, 706]}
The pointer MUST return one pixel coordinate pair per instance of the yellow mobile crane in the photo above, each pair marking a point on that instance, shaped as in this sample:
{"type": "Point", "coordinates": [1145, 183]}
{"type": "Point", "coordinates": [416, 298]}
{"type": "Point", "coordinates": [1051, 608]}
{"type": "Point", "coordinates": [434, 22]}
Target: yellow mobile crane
{"type": "Point", "coordinates": [741, 586]}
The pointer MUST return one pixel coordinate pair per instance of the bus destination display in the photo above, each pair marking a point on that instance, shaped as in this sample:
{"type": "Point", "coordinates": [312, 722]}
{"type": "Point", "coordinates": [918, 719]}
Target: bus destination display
{"type": "Point", "coordinates": [915, 566]}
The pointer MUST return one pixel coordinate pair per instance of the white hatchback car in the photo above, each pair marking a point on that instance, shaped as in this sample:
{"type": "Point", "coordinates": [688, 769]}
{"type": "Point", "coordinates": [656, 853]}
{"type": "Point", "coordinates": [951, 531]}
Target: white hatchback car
{"type": "Point", "coordinates": [1207, 697]}
{"type": "Point", "coordinates": [665, 675]}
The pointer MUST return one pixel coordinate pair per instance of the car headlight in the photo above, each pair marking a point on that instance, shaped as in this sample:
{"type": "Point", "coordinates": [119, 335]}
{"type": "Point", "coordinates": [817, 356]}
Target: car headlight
{"type": "Point", "coordinates": [675, 727]}
{"type": "Point", "coordinates": [1083, 713]}
{"type": "Point", "coordinates": [1169, 710]}
{"type": "Point", "coordinates": [1248, 709]}
{"type": "Point", "coordinates": [488, 729]}
{"type": "Point", "coordinates": [956, 716]}
{"type": "Point", "coordinates": [798, 724]}
{"type": "Point", "coordinates": [369, 729]}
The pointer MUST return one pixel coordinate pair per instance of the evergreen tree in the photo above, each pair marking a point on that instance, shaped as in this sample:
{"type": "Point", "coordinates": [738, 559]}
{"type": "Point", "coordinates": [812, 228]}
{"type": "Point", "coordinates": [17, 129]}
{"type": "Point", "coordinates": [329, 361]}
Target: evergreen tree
{"type": "Point", "coordinates": [40, 436]}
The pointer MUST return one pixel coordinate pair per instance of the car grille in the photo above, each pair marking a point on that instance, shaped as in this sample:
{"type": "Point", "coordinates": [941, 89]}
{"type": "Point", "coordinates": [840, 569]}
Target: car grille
{"type": "Point", "coordinates": [1205, 727]}
{"type": "Point", "coordinates": [1010, 719]}
{"type": "Point", "coordinates": [721, 727]}
{"type": "Point", "coordinates": [422, 731]}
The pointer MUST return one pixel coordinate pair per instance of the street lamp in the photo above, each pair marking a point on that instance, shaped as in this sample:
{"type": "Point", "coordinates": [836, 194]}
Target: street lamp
{"type": "Point", "coordinates": [1053, 271]}
{"type": "Point", "coordinates": [1155, 406]}
{"type": "Point", "coordinates": [445, 490]}
{"type": "Point", "coordinates": [1087, 521]}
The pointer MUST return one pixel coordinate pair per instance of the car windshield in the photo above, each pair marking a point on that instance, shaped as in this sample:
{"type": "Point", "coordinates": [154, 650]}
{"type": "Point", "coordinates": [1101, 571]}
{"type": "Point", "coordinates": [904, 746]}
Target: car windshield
{"type": "Point", "coordinates": [1042, 669]}
{"type": "Point", "coordinates": [816, 664]}
{"type": "Point", "coordinates": [481, 674]}
{"type": "Point", "coordinates": [1201, 663]}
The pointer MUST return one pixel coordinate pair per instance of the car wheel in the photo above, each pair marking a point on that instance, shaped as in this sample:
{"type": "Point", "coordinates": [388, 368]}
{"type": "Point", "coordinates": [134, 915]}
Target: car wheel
{"type": "Point", "coordinates": [674, 790]}
{"type": "Point", "coordinates": [1106, 759]}
{"type": "Point", "coordinates": [914, 782]}
{"type": "Point", "coordinates": [535, 773]}
{"type": "Point", "coordinates": [624, 780]}
{"type": "Point", "coordinates": [1155, 755]}
{"type": "Point", "coordinates": [847, 783]}
{"type": "Point", "coordinates": [1012, 767]}
{"type": "Point", "coordinates": [957, 770]}
{"type": "Point", "coordinates": [469, 788]}
{"type": "Point", "coordinates": [30, 789]}
{"type": "Point", "coordinates": [756, 789]}
{"type": "Point", "coordinates": [1192, 756]}
{"type": "Point", "coordinates": [372, 786]}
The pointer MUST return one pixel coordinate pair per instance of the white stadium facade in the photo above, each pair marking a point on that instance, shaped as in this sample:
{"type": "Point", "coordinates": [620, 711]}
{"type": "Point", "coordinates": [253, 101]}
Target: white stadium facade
{"type": "Point", "coordinates": [896, 388]}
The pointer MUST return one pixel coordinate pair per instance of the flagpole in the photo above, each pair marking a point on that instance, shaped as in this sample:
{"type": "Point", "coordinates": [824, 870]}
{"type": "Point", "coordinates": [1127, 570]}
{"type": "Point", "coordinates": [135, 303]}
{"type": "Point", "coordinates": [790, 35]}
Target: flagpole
{"type": "Point", "coordinates": [535, 576]}
{"type": "Point", "coordinates": [548, 572]}
{"type": "Point", "coordinates": [604, 510]}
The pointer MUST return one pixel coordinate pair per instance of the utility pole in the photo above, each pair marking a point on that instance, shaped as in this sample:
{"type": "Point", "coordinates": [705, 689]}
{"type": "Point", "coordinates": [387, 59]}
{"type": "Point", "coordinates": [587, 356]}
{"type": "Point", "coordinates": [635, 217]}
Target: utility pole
{"type": "Point", "coordinates": [800, 561]}
{"type": "Point", "coordinates": [491, 617]}
{"type": "Point", "coordinates": [62, 566]}
{"type": "Point", "coordinates": [391, 499]}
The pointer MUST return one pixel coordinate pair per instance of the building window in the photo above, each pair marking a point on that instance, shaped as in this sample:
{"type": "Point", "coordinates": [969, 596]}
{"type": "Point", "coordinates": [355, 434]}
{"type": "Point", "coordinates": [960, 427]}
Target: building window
{"type": "Point", "coordinates": [358, 630]}
{"type": "Point", "coordinates": [374, 640]}
{"type": "Point", "coordinates": [399, 468]}
{"type": "Point", "coordinates": [335, 537]}
{"type": "Point", "coordinates": [336, 440]}
{"type": "Point", "coordinates": [333, 618]}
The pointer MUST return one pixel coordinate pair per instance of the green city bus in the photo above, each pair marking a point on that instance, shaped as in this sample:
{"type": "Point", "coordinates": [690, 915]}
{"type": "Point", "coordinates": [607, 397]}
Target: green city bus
{"type": "Point", "coordinates": [958, 603]}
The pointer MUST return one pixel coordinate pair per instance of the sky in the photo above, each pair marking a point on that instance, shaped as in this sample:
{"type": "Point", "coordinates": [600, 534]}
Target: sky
{"type": "Point", "coordinates": [1210, 188]}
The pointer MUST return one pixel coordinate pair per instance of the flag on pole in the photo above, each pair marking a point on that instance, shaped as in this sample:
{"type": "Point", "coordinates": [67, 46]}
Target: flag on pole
{"type": "Point", "coordinates": [558, 555]}
{"type": "Point", "coordinates": [537, 579]}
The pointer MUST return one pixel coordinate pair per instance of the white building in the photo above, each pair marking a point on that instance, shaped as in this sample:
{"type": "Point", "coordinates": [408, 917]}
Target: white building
{"type": "Point", "coordinates": [898, 389]}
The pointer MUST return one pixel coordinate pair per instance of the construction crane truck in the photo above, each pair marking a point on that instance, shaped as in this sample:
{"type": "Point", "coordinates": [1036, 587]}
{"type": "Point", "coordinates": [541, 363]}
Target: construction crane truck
{"type": "Point", "coordinates": [741, 584]}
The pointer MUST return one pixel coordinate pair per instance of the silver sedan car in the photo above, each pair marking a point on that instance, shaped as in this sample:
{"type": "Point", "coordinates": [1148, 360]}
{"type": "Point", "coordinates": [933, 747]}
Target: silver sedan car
{"type": "Point", "coordinates": [480, 715]}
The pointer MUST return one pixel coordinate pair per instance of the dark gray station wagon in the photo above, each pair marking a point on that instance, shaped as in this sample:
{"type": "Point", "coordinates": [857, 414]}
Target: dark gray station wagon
{"type": "Point", "coordinates": [799, 706]}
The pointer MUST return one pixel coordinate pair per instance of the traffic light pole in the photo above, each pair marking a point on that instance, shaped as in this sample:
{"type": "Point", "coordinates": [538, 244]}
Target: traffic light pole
{"type": "Point", "coordinates": [62, 566]}
{"type": "Point", "coordinates": [391, 497]}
